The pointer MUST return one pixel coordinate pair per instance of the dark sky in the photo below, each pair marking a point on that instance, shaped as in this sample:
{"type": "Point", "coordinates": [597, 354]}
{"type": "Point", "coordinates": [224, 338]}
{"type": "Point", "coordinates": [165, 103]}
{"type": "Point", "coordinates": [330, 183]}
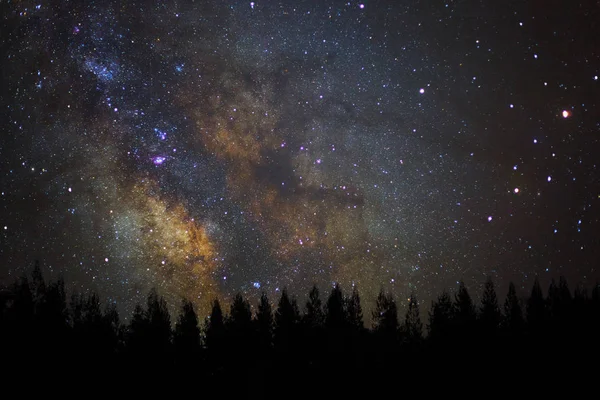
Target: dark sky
{"type": "Point", "coordinates": [207, 148]}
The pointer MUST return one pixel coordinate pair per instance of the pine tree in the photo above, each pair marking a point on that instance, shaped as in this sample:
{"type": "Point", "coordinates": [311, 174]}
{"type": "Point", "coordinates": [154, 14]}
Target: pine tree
{"type": "Point", "coordinates": [159, 327]}
{"type": "Point", "coordinates": [464, 310]}
{"type": "Point", "coordinates": [566, 299]}
{"type": "Point", "coordinates": [186, 337]}
{"type": "Point", "coordinates": [91, 314]}
{"type": "Point", "coordinates": [553, 301]}
{"type": "Point", "coordinates": [239, 327]}
{"type": "Point", "coordinates": [286, 321]}
{"type": "Point", "coordinates": [54, 319]}
{"type": "Point", "coordinates": [385, 315]}
{"type": "Point", "coordinates": [335, 316]}
{"type": "Point", "coordinates": [413, 327]}
{"type": "Point", "coordinates": [354, 309]}
{"type": "Point", "coordinates": [440, 317]}
{"type": "Point", "coordinates": [240, 315]}
{"type": "Point", "coordinates": [536, 308]}
{"type": "Point", "coordinates": [513, 314]}
{"type": "Point", "coordinates": [490, 315]}
{"type": "Point", "coordinates": [113, 326]}
{"type": "Point", "coordinates": [314, 316]}
{"type": "Point", "coordinates": [264, 323]}
{"type": "Point", "coordinates": [137, 332]}
{"type": "Point", "coordinates": [38, 285]}
{"type": "Point", "coordinates": [215, 329]}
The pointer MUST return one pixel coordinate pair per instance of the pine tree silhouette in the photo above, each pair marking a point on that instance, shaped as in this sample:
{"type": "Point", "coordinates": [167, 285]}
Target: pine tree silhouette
{"type": "Point", "coordinates": [565, 298]}
{"type": "Point", "coordinates": [186, 337]}
{"type": "Point", "coordinates": [38, 285]}
{"type": "Point", "coordinates": [553, 301]}
{"type": "Point", "coordinates": [286, 321]}
{"type": "Point", "coordinates": [513, 314]}
{"type": "Point", "coordinates": [413, 327]}
{"type": "Point", "coordinates": [536, 308]}
{"type": "Point", "coordinates": [114, 330]}
{"type": "Point", "coordinates": [440, 318]}
{"type": "Point", "coordinates": [215, 329]}
{"type": "Point", "coordinates": [264, 325]}
{"type": "Point", "coordinates": [159, 324]}
{"type": "Point", "coordinates": [239, 328]}
{"type": "Point", "coordinates": [490, 315]}
{"type": "Point", "coordinates": [314, 316]}
{"type": "Point", "coordinates": [385, 315]}
{"type": "Point", "coordinates": [137, 334]}
{"type": "Point", "coordinates": [53, 319]}
{"type": "Point", "coordinates": [464, 311]}
{"type": "Point", "coordinates": [240, 315]}
{"type": "Point", "coordinates": [335, 312]}
{"type": "Point", "coordinates": [354, 308]}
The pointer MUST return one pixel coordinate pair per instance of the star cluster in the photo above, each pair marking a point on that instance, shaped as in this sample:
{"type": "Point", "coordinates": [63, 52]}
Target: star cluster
{"type": "Point", "coordinates": [212, 147]}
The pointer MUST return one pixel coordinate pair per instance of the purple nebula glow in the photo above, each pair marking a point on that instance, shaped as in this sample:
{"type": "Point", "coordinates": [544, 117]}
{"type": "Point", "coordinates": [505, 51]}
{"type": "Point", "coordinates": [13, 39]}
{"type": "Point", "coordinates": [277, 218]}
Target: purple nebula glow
{"type": "Point", "coordinates": [159, 160]}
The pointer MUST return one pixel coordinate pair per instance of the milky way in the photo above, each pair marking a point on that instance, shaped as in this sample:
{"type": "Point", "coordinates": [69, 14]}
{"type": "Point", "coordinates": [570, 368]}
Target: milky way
{"type": "Point", "coordinates": [207, 148]}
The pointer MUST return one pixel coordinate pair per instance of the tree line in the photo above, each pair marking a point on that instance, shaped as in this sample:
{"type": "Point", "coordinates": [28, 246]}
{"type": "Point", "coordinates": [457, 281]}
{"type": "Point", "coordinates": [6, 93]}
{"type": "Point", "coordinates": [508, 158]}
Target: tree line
{"type": "Point", "coordinates": [325, 341]}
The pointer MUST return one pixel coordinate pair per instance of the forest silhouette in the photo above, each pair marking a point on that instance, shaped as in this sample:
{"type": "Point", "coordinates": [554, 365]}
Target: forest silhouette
{"type": "Point", "coordinates": [323, 342]}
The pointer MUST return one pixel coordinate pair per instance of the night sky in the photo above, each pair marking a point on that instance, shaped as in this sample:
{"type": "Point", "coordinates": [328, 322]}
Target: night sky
{"type": "Point", "coordinates": [207, 148]}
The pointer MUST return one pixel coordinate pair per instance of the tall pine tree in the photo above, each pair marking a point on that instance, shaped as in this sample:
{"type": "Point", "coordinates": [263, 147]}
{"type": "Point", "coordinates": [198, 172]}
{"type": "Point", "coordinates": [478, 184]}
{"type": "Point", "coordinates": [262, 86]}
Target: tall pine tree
{"type": "Point", "coordinates": [490, 315]}
{"type": "Point", "coordinates": [215, 329]}
{"type": "Point", "coordinates": [335, 317]}
{"type": "Point", "coordinates": [186, 337]}
{"type": "Point", "coordinates": [440, 318]}
{"type": "Point", "coordinates": [354, 309]}
{"type": "Point", "coordinates": [536, 308]}
{"type": "Point", "coordinates": [159, 323]}
{"type": "Point", "coordinates": [264, 324]}
{"type": "Point", "coordinates": [464, 311]}
{"type": "Point", "coordinates": [385, 315]}
{"type": "Point", "coordinates": [513, 313]}
{"type": "Point", "coordinates": [413, 327]}
{"type": "Point", "coordinates": [286, 323]}
{"type": "Point", "coordinates": [314, 316]}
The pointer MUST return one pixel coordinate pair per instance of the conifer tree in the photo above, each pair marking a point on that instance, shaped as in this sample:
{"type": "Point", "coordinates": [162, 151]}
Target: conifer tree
{"type": "Point", "coordinates": [186, 337]}
{"type": "Point", "coordinates": [159, 323]}
{"type": "Point", "coordinates": [490, 315]}
{"type": "Point", "coordinates": [113, 326]}
{"type": "Point", "coordinates": [464, 310]}
{"type": "Point", "coordinates": [335, 317]}
{"type": "Point", "coordinates": [553, 300]}
{"type": "Point", "coordinates": [413, 327]}
{"type": "Point", "coordinates": [385, 315]}
{"type": "Point", "coordinates": [239, 327]}
{"type": "Point", "coordinates": [264, 323]}
{"type": "Point", "coordinates": [536, 308]}
{"type": "Point", "coordinates": [513, 314]}
{"type": "Point", "coordinates": [286, 321]}
{"type": "Point", "coordinates": [240, 314]}
{"type": "Point", "coordinates": [440, 317]}
{"type": "Point", "coordinates": [38, 285]}
{"type": "Point", "coordinates": [565, 297]}
{"type": "Point", "coordinates": [215, 328]}
{"type": "Point", "coordinates": [137, 332]}
{"type": "Point", "coordinates": [314, 316]}
{"type": "Point", "coordinates": [354, 309]}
